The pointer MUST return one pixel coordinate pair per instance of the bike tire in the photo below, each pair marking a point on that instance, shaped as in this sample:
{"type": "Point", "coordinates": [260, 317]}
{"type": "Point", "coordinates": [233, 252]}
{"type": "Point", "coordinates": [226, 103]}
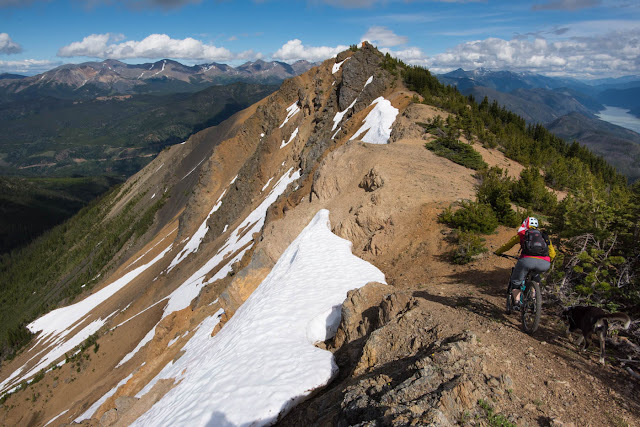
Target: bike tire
{"type": "Point", "coordinates": [531, 307]}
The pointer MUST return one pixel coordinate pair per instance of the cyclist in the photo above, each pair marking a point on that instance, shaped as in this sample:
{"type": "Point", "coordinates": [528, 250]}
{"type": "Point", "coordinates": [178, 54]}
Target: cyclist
{"type": "Point", "coordinates": [536, 254]}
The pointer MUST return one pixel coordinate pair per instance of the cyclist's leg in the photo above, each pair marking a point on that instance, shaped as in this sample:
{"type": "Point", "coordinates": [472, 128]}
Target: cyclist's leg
{"type": "Point", "coordinates": [517, 277]}
{"type": "Point", "coordinates": [537, 265]}
{"type": "Point", "coordinates": [522, 268]}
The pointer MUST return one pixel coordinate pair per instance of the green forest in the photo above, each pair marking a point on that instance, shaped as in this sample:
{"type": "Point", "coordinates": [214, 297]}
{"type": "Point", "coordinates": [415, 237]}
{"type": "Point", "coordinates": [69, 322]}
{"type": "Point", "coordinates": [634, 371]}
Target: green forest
{"type": "Point", "coordinates": [65, 261]}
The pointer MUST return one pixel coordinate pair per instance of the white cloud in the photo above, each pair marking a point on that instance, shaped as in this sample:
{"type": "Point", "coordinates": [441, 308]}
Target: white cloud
{"type": "Point", "coordinates": [152, 47]}
{"type": "Point", "coordinates": [28, 66]}
{"type": "Point", "coordinates": [614, 53]}
{"type": "Point", "coordinates": [8, 46]}
{"type": "Point", "coordinates": [382, 36]}
{"type": "Point", "coordinates": [568, 53]}
{"type": "Point", "coordinates": [409, 55]}
{"type": "Point", "coordinates": [294, 50]}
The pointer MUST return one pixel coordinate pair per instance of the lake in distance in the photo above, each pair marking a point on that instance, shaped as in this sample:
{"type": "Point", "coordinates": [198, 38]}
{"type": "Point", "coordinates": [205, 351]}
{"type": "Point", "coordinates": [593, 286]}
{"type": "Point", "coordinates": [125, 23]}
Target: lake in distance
{"type": "Point", "coordinates": [621, 117]}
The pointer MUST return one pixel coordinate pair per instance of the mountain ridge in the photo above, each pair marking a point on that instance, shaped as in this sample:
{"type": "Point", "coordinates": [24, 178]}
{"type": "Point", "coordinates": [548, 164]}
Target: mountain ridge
{"type": "Point", "coordinates": [235, 197]}
{"type": "Point", "coordinates": [116, 77]}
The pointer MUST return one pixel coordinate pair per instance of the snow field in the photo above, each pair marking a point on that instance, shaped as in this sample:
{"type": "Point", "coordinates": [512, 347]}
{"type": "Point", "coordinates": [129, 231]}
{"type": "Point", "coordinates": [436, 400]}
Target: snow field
{"type": "Point", "coordinates": [378, 122]}
{"type": "Point", "coordinates": [239, 241]}
{"type": "Point", "coordinates": [265, 353]}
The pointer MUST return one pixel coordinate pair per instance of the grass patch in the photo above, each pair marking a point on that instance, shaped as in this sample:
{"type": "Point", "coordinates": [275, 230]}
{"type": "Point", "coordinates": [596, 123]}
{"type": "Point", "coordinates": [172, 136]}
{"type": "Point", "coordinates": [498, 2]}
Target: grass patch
{"type": "Point", "coordinates": [493, 419]}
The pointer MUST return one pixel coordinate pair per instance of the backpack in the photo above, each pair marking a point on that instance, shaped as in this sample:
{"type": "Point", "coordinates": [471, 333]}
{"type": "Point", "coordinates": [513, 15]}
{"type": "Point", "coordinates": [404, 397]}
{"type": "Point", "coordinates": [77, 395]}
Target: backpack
{"type": "Point", "coordinates": [535, 243]}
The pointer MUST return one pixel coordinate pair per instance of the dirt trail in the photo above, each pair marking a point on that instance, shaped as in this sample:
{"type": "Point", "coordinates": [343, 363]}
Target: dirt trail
{"type": "Point", "coordinates": [553, 383]}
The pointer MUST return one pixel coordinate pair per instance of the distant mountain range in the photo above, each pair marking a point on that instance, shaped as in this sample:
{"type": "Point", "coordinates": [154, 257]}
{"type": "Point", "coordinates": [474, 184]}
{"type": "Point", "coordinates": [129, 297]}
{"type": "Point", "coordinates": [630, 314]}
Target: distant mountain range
{"type": "Point", "coordinates": [111, 77]}
{"type": "Point", "coordinates": [567, 107]}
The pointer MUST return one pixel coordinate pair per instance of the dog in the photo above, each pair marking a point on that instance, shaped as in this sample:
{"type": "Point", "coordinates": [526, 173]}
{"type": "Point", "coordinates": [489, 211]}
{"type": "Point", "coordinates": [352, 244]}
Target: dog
{"type": "Point", "coordinates": [592, 320]}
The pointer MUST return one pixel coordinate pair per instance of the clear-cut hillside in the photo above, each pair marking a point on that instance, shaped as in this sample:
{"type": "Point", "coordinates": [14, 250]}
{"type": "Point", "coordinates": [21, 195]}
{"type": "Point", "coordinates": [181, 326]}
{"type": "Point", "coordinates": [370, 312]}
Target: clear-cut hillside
{"type": "Point", "coordinates": [229, 309]}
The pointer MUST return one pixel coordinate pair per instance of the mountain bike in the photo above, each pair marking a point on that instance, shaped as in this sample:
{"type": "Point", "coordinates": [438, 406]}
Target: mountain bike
{"type": "Point", "coordinates": [530, 300]}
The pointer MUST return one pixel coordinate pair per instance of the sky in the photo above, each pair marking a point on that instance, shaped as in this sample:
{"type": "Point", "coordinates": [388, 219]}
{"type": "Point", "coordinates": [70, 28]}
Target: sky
{"type": "Point", "coordinates": [573, 38]}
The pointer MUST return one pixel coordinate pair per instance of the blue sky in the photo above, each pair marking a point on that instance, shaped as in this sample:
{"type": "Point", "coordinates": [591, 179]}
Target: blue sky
{"type": "Point", "coordinates": [578, 38]}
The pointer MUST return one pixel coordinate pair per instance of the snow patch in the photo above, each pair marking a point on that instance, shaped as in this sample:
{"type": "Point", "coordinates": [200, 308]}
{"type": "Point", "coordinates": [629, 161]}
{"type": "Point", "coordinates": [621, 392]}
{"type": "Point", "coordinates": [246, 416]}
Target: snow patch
{"type": "Point", "coordinates": [267, 184]}
{"type": "Point", "coordinates": [150, 249]}
{"type": "Point", "coordinates": [193, 169]}
{"type": "Point", "coordinates": [338, 117]}
{"type": "Point", "coordinates": [194, 242]}
{"type": "Point", "coordinates": [265, 353]}
{"type": "Point", "coordinates": [378, 122]}
{"type": "Point", "coordinates": [239, 240]}
{"type": "Point", "coordinates": [141, 344]}
{"type": "Point", "coordinates": [338, 65]}
{"type": "Point", "coordinates": [293, 135]}
{"type": "Point", "coordinates": [89, 412]}
{"type": "Point", "coordinates": [56, 417]}
{"type": "Point", "coordinates": [292, 110]}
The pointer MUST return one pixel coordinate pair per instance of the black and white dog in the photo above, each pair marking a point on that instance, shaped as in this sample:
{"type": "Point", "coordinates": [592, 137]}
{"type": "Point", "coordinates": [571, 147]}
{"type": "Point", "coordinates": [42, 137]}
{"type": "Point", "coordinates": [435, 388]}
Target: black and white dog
{"type": "Point", "coordinates": [592, 320]}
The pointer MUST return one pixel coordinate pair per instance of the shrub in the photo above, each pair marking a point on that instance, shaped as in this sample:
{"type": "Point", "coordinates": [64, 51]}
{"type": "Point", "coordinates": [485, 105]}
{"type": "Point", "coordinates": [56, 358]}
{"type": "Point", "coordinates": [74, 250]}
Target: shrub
{"type": "Point", "coordinates": [457, 152]}
{"type": "Point", "coordinates": [469, 245]}
{"type": "Point", "coordinates": [471, 216]}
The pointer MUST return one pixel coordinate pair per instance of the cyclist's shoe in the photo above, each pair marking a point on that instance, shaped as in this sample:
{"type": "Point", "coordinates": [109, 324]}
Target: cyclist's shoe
{"type": "Point", "coordinates": [517, 306]}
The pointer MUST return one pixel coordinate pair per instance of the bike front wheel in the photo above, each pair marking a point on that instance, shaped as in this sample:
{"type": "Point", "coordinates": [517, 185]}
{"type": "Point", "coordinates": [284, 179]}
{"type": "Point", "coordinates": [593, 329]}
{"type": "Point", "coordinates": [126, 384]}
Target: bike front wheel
{"type": "Point", "coordinates": [509, 305]}
{"type": "Point", "coordinates": [531, 307]}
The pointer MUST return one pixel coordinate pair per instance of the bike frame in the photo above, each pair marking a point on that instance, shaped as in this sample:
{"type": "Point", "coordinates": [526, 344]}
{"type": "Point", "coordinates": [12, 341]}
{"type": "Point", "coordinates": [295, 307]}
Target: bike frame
{"type": "Point", "coordinates": [531, 297]}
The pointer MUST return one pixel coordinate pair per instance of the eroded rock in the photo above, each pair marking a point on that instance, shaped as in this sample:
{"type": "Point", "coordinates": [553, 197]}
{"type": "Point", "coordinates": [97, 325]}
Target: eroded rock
{"type": "Point", "coordinates": [372, 180]}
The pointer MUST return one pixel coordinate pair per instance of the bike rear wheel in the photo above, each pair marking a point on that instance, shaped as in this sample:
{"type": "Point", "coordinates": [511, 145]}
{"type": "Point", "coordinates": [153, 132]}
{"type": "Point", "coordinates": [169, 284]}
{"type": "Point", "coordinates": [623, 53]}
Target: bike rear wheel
{"type": "Point", "coordinates": [531, 307]}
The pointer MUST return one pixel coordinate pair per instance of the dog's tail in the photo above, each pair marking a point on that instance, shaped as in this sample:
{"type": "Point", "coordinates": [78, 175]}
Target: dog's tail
{"type": "Point", "coordinates": [618, 317]}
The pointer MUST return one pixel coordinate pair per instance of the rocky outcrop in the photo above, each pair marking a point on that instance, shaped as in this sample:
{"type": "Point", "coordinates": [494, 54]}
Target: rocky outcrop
{"type": "Point", "coordinates": [372, 180]}
{"type": "Point", "coordinates": [398, 369]}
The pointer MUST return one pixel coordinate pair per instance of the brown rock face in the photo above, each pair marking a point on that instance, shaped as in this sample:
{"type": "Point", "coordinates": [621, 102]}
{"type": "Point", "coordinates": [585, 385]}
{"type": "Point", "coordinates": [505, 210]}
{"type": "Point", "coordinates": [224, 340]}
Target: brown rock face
{"type": "Point", "coordinates": [359, 313]}
{"type": "Point", "coordinates": [405, 372]}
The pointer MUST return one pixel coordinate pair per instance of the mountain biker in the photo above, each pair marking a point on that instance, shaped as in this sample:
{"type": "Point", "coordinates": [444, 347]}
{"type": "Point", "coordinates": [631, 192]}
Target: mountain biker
{"type": "Point", "coordinates": [536, 254]}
